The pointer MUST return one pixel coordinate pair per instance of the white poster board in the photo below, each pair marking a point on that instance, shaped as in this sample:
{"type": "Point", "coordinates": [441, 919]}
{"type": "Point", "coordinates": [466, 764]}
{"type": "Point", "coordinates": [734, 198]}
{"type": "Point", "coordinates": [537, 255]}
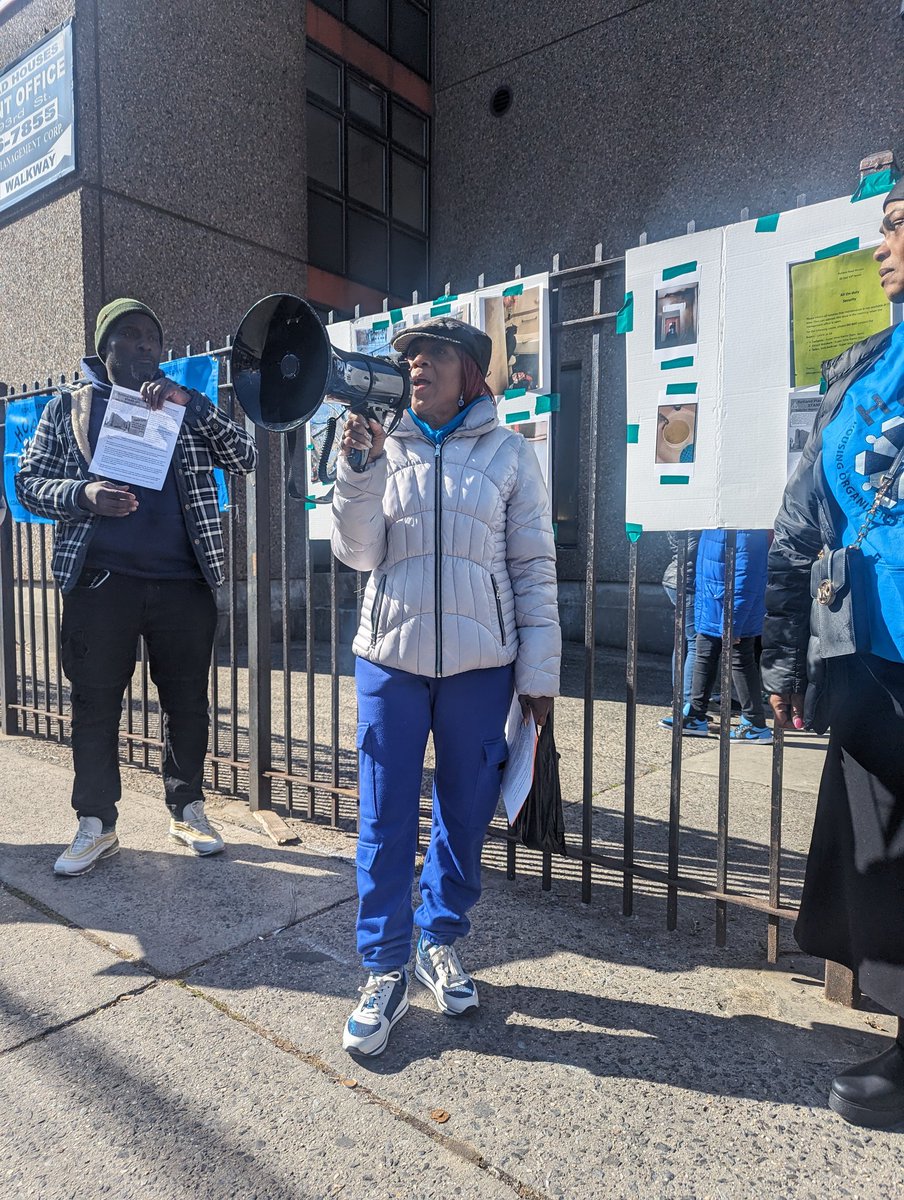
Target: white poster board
{"type": "Point", "coordinates": [729, 326]}
{"type": "Point", "coordinates": [515, 315]}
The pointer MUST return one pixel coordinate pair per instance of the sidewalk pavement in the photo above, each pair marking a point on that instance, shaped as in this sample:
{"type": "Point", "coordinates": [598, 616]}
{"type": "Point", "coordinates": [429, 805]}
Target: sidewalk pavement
{"type": "Point", "coordinates": [170, 1027]}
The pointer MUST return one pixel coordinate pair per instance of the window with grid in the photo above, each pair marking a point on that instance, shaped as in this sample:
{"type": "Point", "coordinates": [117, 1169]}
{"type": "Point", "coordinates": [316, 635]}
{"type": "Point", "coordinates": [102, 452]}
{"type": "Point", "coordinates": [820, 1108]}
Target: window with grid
{"type": "Point", "coordinates": [367, 180]}
{"type": "Point", "coordinates": [401, 27]}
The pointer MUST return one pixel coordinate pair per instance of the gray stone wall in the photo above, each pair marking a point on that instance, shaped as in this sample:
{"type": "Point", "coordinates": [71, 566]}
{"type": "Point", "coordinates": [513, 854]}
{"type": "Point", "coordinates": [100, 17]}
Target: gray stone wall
{"type": "Point", "coordinates": [630, 118]}
{"type": "Point", "coordinates": [190, 188]}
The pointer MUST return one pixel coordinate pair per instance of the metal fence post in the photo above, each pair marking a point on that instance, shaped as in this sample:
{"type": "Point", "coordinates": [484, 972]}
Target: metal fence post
{"type": "Point", "coordinates": [9, 718]}
{"type": "Point", "coordinates": [731, 558]}
{"type": "Point", "coordinates": [257, 524]}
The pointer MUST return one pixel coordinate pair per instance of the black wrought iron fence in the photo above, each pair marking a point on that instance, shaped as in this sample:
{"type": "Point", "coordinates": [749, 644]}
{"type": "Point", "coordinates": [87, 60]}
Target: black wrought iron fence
{"type": "Point", "coordinates": [282, 694]}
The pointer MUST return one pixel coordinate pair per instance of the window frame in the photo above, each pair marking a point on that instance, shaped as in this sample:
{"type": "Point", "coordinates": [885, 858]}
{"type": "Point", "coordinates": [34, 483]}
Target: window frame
{"type": "Point", "coordinates": [424, 5]}
{"type": "Point", "coordinates": [349, 121]}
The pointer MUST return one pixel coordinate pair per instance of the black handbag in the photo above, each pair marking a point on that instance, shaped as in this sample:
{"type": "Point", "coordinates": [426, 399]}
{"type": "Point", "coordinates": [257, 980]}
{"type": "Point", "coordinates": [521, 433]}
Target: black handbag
{"type": "Point", "coordinates": [541, 823]}
{"type": "Point", "coordinates": [833, 614]}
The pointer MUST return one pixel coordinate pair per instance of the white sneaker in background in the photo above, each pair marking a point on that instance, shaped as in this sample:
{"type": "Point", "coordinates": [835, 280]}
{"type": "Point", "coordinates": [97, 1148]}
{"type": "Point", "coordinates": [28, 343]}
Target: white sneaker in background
{"type": "Point", "coordinates": [89, 844]}
{"type": "Point", "coordinates": [194, 830]}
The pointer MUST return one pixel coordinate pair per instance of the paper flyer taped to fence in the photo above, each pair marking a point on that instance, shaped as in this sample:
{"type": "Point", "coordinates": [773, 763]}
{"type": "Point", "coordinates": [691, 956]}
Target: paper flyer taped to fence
{"type": "Point", "coordinates": [518, 775]}
{"type": "Point", "coordinates": [136, 443]}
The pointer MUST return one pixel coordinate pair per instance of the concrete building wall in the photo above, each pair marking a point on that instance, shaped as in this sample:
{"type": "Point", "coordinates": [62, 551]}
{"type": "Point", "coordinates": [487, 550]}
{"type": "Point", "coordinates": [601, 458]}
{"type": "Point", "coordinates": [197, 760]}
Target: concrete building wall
{"type": "Point", "coordinates": [631, 118]}
{"type": "Point", "coordinates": [190, 188]}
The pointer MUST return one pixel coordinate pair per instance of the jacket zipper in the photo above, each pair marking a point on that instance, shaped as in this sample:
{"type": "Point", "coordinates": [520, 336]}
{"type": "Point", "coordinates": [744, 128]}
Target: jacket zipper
{"type": "Point", "coordinates": [437, 555]}
{"type": "Point", "coordinates": [498, 608]}
{"type": "Point", "coordinates": [375, 612]}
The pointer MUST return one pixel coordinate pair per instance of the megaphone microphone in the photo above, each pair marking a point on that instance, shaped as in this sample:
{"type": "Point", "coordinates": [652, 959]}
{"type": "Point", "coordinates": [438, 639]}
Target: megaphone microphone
{"type": "Point", "coordinates": [283, 367]}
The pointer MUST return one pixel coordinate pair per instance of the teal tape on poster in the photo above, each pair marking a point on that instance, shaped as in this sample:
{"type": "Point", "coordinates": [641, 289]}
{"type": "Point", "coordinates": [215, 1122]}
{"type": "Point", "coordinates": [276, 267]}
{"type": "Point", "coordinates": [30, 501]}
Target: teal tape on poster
{"type": "Point", "coordinates": [633, 434]}
{"type": "Point", "coordinates": [674, 363]}
{"type": "Point", "coordinates": [681, 269]}
{"type": "Point", "coordinates": [674, 479]}
{"type": "Point", "coordinates": [440, 310]}
{"type": "Point", "coordinates": [839, 248]}
{"type": "Point", "coordinates": [515, 290]}
{"type": "Point", "coordinates": [444, 299]}
{"type": "Point", "coordinates": [624, 318]}
{"type": "Point", "coordinates": [633, 531]}
{"type": "Point", "coordinates": [514, 393]}
{"type": "Point", "coordinates": [515, 418]}
{"type": "Point", "coordinates": [380, 325]}
{"type": "Point", "coordinates": [396, 315]}
{"type": "Point", "coordinates": [547, 404]}
{"type": "Point", "coordinates": [767, 224]}
{"type": "Point", "coordinates": [681, 389]}
{"type": "Point", "coordinates": [875, 184]}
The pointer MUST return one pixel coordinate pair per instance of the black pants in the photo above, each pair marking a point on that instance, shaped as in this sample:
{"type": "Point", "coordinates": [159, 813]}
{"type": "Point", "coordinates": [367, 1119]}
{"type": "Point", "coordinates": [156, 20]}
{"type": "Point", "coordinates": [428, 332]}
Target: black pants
{"type": "Point", "coordinates": [745, 675]}
{"type": "Point", "coordinates": [852, 908]}
{"type": "Point", "coordinates": [100, 631]}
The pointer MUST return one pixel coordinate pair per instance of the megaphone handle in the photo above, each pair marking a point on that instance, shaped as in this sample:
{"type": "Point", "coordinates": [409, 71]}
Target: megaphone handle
{"type": "Point", "coordinates": [357, 459]}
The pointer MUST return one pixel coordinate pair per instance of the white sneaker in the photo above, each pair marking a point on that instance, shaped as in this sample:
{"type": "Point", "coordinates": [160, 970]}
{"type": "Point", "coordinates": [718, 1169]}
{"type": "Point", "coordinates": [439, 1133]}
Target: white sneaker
{"type": "Point", "coordinates": [194, 830]}
{"type": "Point", "coordinates": [439, 968]}
{"type": "Point", "coordinates": [88, 845]}
{"type": "Point", "coordinates": [384, 1001]}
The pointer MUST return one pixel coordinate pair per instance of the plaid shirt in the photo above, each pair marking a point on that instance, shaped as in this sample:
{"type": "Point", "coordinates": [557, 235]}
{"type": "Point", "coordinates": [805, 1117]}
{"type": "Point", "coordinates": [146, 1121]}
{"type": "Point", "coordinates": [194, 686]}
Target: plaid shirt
{"type": "Point", "coordinates": [53, 474]}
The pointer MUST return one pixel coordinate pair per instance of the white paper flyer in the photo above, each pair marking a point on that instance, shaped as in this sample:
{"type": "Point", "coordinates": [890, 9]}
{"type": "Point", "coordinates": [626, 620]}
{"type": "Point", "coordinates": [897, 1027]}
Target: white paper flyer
{"type": "Point", "coordinates": [518, 774]}
{"type": "Point", "coordinates": [136, 443]}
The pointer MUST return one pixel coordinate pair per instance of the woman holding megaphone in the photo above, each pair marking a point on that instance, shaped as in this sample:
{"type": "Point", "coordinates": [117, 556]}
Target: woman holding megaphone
{"type": "Point", "coordinates": [452, 518]}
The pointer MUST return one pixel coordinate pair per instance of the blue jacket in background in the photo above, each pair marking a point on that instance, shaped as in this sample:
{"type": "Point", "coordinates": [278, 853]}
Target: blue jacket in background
{"type": "Point", "coordinates": [750, 582]}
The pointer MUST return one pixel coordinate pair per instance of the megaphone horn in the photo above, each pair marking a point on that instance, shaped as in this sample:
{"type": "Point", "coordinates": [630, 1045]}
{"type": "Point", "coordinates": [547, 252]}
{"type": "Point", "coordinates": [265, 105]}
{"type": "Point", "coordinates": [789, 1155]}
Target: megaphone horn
{"type": "Point", "coordinates": [283, 366]}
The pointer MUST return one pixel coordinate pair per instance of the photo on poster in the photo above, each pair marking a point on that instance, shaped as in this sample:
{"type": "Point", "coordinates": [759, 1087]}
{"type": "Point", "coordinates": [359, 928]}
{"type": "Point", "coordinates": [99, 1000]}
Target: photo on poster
{"type": "Point", "coordinates": [536, 434]}
{"type": "Point", "coordinates": [677, 316]}
{"type": "Point", "coordinates": [676, 433]}
{"type": "Point", "coordinates": [515, 327]}
{"type": "Point", "coordinates": [803, 405]}
{"type": "Point", "coordinates": [460, 310]}
{"type": "Point", "coordinates": [375, 339]}
{"type": "Point", "coordinates": [834, 302]}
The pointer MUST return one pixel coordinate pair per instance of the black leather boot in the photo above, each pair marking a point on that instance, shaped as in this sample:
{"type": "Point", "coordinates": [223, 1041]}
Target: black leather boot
{"type": "Point", "coordinates": [872, 1093]}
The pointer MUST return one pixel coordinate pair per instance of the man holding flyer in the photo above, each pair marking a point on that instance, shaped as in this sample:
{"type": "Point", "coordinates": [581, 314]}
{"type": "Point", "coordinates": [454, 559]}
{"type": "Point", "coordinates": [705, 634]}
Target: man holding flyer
{"type": "Point", "coordinates": [134, 560]}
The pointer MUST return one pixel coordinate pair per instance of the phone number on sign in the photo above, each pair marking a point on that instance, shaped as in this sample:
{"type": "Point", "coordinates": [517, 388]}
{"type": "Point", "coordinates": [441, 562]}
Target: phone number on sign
{"type": "Point", "coordinates": [29, 126]}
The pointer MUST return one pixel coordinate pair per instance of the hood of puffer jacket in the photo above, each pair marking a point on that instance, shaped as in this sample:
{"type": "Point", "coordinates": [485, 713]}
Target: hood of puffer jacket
{"type": "Point", "coordinates": [459, 541]}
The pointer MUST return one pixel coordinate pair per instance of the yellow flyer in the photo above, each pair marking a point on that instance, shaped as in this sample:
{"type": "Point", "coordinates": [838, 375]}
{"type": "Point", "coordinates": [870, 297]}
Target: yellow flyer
{"type": "Point", "coordinates": [835, 302]}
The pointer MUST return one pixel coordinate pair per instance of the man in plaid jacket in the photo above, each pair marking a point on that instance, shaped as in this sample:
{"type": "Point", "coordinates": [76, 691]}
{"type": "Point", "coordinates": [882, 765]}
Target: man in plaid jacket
{"type": "Point", "coordinates": [130, 562]}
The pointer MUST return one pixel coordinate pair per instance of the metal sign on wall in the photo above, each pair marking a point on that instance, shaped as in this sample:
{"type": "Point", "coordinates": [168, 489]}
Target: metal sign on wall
{"type": "Point", "coordinates": [37, 119]}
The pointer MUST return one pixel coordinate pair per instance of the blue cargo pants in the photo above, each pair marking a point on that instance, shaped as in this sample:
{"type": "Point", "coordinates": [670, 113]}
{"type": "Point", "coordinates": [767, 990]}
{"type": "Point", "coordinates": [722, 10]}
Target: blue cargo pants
{"type": "Point", "coordinates": [396, 711]}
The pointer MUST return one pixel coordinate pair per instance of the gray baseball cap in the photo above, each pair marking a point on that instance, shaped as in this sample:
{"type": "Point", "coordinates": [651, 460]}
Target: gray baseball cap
{"type": "Point", "coordinates": [472, 341]}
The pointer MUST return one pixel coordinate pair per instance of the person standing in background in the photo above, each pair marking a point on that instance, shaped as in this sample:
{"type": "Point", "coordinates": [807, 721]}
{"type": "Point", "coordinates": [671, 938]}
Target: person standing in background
{"type": "Point", "coordinates": [670, 586]}
{"type": "Point", "coordinates": [749, 610]}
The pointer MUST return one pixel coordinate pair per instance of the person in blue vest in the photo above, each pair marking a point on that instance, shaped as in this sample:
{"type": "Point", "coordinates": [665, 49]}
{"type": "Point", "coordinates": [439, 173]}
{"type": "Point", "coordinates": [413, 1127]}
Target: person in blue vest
{"type": "Point", "coordinates": [749, 611]}
{"type": "Point", "coordinates": [852, 905]}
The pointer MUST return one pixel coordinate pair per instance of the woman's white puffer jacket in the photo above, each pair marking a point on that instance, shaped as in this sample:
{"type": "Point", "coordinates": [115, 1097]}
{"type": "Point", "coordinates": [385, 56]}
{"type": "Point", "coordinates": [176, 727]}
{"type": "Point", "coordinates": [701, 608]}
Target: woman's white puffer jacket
{"type": "Point", "coordinates": [460, 545]}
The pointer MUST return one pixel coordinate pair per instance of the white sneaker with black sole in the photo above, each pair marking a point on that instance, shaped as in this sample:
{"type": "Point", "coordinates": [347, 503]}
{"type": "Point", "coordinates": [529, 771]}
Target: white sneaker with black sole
{"type": "Point", "coordinates": [194, 830]}
{"type": "Point", "coordinates": [383, 1003]}
{"type": "Point", "coordinates": [90, 844]}
{"type": "Point", "coordinates": [439, 969]}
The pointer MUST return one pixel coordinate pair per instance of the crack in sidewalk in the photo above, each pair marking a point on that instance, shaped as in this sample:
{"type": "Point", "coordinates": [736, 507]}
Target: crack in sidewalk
{"type": "Point", "coordinates": [76, 1020]}
{"type": "Point", "coordinates": [142, 963]}
{"type": "Point", "coordinates": [460, 1149]}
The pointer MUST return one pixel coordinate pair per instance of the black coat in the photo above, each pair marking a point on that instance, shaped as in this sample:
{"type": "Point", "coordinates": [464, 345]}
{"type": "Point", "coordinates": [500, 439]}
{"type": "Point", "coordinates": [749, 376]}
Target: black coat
{"type": "Point", "coordinates": [806, 522]}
